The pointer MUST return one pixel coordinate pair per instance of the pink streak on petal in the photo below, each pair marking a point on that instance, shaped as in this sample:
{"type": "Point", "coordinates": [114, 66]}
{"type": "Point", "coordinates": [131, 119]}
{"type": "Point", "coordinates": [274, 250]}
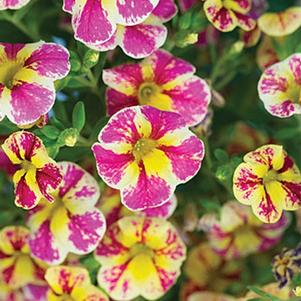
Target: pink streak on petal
{"type": "Point", "coordinates": [25, 197]}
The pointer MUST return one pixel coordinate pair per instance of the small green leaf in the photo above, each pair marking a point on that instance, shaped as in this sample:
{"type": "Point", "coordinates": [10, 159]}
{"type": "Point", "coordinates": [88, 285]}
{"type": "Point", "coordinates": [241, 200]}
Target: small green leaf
{"type": "Point", "coordinates": [79, 116]}
{"type": "Point", "coordinates": [50, 131]}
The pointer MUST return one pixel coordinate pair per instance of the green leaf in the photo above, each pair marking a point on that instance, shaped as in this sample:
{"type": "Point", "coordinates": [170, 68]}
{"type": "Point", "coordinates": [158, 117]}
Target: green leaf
{"type": "Point", "coordinates": [75, 62]}
{"type": "Point", "coordinates": [221, 155]}
{"type": "Point", "coordinates": [263, 294]}
{"type": "Point", "coordinates": [79, 116]}
{"type": "Point", "coordinates": [50, 131]}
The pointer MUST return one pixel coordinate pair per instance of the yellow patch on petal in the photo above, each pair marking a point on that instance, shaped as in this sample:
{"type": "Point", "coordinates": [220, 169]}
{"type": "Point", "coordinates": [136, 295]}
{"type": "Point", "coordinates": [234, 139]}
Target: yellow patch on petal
{"type": "Point", "coordinates": [143, 126]}
{"type": "Point", "coordinates": [175, 138]}
{"type": "Point", "coordinates": [280, 24]}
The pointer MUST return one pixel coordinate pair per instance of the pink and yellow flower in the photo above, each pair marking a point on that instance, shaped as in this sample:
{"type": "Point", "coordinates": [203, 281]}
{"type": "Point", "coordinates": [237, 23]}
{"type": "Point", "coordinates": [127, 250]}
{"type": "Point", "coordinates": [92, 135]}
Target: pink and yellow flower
{"type": "Point", "coordinates": [146, 153]}
{"type": "Point", "coordinates": [134, 25]}
{"type": "Point", "coordinates": [161, 81]}
{"type": "Point", "coordinates": [238, 232]}
{"type": "Point", "coordinates": [37, 174]}
{"type": "Point", "coordinates": [269, 181]}
{"type": "Point", "coordinates": [12, 4]}
{"type": "Point", "coordinates": [71, 283]}
{"type": "Point", "coordinates": [72, 224]}
{"type": "Point", "coordinates": [27, 75]}
{"type": "Point", "coordinates": [17, 268]}
{"type": "Point", "coordinates": [110, 205]}
{"type": "Point", "coordinates": [226, 15]}
{"type": "Point", "coordinates": [28, 293]}
{"type": "Point", "coordinates": [208, 270]}
{"type": "Point", "coordinates": [281, 23]}
{"type": "Point", "coordinates": [139, 256]}
{"type": "Point", "coordinates": [280, 85]}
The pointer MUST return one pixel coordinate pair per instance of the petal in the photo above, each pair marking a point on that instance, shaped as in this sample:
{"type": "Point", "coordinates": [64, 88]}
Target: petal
{"type": "Point", "coordinates": [48, 178]}
{"type": "Point", "coordinates": [79, 190]}
{"type": "Point", "coordinates": [165, 10]}
{"type": "Point", "coordinates": [66, 279]}
{"type": "Point", "coordinates": [117, 170]}
{"type": "Point", "coordinates": [164, 211]}
{"type": "Point", "coordinates": [191, 100]}
{"type": "Point", "coordinates": [91, 293]}
{"type": "Point", "coordinates": [68, 6]}
{"type": "Point", "coordinates": [132, 12]}
{"type": "Point", "coordinates": [266, 55]}
{"type": "Point", "coordinates": [49, 60]}
{"type": "Point", "coordinates": [282, 23]}
{"type": "Point", "coordinates": [142, 40]}
{"type": "Point", "coordinates": [221, 18]}
{"type": "Point", "coordinates": [295, 66]}
{"type": "Point", "coordinates": [12, 4]}
{"type": "Point", "coordinates": [149, 190]}
{"type": "Point", "coordinates": [89, 12]}
{"type": "Point", "coordinates": [86, 230]}
{"type": "Point", "coordinates": [44, 246]}
{"type": "Point", "coordinates": [185, 158]}
{"type": "Point", "coordinates": [35, 292]}
{"type": "Point", "coordinates": [28, 101]}
{"type": "Point", "coordinates": [117, 101]}
{"type": "Point", "coordinates": [125, 79]}
{"type": "Point", "coordinates": [245, 22]}
{"type": "Point", "coordinates": [166, 69]}
{"type": "Point", "coordinates": [241, 6]}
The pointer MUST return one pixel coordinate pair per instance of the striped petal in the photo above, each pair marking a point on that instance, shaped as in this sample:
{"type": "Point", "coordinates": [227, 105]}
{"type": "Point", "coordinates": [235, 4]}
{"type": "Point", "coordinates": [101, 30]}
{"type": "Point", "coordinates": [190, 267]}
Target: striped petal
{"type": "Point", "coordinates": [281, 23]}
{"type": "Point", "coordinates": [165, 10]}
{"type": "Point", "coordinates": [142, 40]}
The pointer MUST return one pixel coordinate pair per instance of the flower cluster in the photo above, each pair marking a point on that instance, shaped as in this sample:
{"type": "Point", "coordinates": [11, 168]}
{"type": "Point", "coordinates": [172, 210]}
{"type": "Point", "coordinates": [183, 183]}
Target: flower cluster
{"type": "Point", "coordinates": [176, 177]}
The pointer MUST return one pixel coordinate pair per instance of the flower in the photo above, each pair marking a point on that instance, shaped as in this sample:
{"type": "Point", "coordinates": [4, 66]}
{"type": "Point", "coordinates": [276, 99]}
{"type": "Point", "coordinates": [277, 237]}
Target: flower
{"type": "Point", "coordinates": [266, 54]}
{"type": "Point", "coordinates": [239, 233]}
{"type": "Point", "coordinates": [279, 87]}
{"type": "Point", "coordinates": [210, 296]}
{"type": "Point", "coordinates": [27, 293]}
{"type": "Point", "coordinates": [12, 4]}
{"type": "Point", "coordinates": [161, 81]}
{"type": "Point", "coordinates": [17, 268]}
{"type": "Point", "coordinates": [110, 205]}
{"type": "Point", "coordinates": [226, 15]}
{"type": "Point", "coordinates": [208, 270]}
{"type": "Point", "coordinates": [286, 265]}
{"type": "Point", "coordinates": [27, 75]}
{"type": "Point", "coordinates": [71, 283]}
{"type": "Point", "coordinates": [37, 174]}
{"type": "Point", "coordinates": [269, 181]}
{"type": "Point", "coordinates": [145, 153]}
{"type": "Point", "coordinates": [72, 223]}
{"type": "Point", "coordinates": [272, 289]}
{"type": "Point", "coordinates": [281, 23]}
{"type": "Point", "coordinates": [134, 25]}
{"type": "Point", "coordinates": [139, 256]}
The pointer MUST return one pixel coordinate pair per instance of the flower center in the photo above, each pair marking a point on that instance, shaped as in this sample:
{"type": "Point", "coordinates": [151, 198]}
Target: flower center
{"type": "Point", "coordinates": [147, 91]}
{"type": "Point", "coordinates": [138, 249]}
{"type": "Point", "coordinates": [27, 165]}
{"type": "Point", "coordinates": [143, 147]}
{"type": "Point", "coordinates": [271, 176]}
{"type": "Point", "coordinates": [8, 71]}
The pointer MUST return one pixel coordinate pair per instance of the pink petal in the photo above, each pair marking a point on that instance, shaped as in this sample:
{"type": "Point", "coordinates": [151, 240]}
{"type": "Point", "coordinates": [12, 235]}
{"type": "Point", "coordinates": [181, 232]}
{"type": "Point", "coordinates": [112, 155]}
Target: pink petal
{"type": "Point", "coordinates": [142, 40]}
{"type": "Point", "coordinates": [91, 23]}
{"type": "Point", "coordinates": [165, 10]}
{"type": "Point", "coordinates": [295, 66]}
{"type": "Point", "coordinates": [49, 60]}
{"type": "Point", "coordinates": [68, 5]}
{"type": "Point", "coordinates": [25, 197]}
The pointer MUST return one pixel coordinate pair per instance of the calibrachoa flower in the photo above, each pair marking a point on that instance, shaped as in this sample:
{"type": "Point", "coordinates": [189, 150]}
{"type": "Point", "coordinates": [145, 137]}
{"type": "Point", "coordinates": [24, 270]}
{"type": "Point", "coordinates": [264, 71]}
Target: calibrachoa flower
{"type": "Point", "coordinates": [146, 153]}
{"type": "Point", "coordinates": [226, 15]}
{"type": "Point", "coordinates": [280, 85]}
{"type": "Point", "coordinates": [239, 232]}
{"type": "Point", "coordinates": [134, 25]}
{"type": "Point", "coordinates": [27, 75]}
{"type": "Point", "coordinates": [139, 256]}
{"type": "Point", "coordinates": [27, 293]}
{"type": "Point", "coordinates": [281, 23]}
{"type": "Point", "coordinates": [110, 205]}
{"type": "Point", "coordinates": [208, 270]}
{"type": "Point", "coordinates": [37, 174]}
{"type": "Point", "coordinates": [17, 268]}
{"type": "Point", "coordinates": [71, 283]}
{"type": "Point", "coordinates": [72, 223]}
{"type": "Point", "coordinates": [161, 81]}
{"type": "Point", "coordinates": [12, 4]}
{"type": "Point", "coordinates": [269, 181]}
{"type": "Point", "coordinates": [286, 265]}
